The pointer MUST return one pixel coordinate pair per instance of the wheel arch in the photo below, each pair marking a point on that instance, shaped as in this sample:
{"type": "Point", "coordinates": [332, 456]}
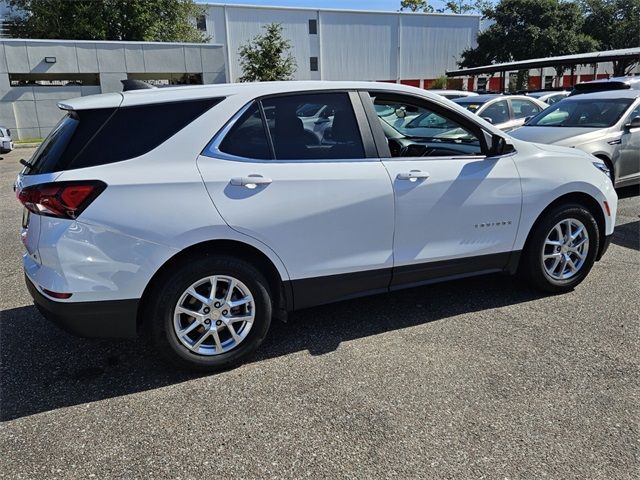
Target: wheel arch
{"type": "Point", "coordinates": [281, 295]}
{"type": "Point", "coordinates": [607, 160]}
{"type": "Point", "coordinates": [581, 198]}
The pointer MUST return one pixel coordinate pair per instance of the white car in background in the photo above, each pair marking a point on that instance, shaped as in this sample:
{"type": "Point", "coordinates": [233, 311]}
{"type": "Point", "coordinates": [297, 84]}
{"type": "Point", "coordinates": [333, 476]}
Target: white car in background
{"type": "Point", "coordinates": [6, 143]}
{"type": "Point", "coordinates": [549, 96]}
{"type": "Point", "coordinates": [208, 217]}
{"type": "Point", "coordinates": [451, 94]}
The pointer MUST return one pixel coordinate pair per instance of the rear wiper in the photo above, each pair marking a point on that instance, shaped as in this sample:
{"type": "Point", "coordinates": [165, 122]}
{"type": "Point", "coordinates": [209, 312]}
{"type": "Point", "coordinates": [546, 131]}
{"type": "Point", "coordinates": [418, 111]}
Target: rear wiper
{"type": "Point", "coordinates": [26, 163]}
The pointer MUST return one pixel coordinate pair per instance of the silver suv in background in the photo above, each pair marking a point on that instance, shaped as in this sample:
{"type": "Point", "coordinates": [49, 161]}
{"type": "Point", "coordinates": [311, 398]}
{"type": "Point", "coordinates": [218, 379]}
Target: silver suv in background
{"type": "Point", "coordinates": [605, 124]}
{"type": "Point", "coordinates": [6, 144]}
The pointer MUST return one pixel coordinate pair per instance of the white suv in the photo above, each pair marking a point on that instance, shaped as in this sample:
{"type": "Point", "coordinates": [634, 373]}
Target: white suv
{"type": "Point", "coordinates": [217, 209]}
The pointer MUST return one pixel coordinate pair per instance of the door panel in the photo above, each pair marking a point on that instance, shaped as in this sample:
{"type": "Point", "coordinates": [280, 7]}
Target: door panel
{"type": "Point", "coordinates": [323, 208]}
{"type": "Point", "coordinates": [462, 207]}
{"type": "Point", "coordinates": [628, 162]}
{"type": "Point", "coordinates": [321, 218]}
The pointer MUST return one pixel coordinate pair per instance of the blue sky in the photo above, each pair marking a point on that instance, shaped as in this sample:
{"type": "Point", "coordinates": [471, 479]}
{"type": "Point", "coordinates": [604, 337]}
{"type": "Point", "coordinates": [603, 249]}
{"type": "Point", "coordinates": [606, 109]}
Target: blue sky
{"type": "Point", "coordinates": [391, 5]}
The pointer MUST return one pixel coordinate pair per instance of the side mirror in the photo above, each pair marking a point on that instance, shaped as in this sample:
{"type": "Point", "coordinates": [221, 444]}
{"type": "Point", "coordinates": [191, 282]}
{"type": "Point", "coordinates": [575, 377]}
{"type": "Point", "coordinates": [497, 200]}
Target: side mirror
{"type": "Point", "coordinates": [401, 112]}
{"type": "Point", "coordinates": [526, 119]}
{"type": "Point", "coordinates": [488, 119]}
{"type": "Point", "coordinates": [634, 123]}
{"type": "Point", "coordinates": [500, 146]}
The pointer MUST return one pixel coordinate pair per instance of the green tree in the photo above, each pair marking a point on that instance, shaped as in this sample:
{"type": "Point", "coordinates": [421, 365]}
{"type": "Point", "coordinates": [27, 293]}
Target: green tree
{"type": "Point", "coordinates": [267, 57]}
{"type": "Point", "coordinates": [525, 29]}
{"type": "Point", "coordinates": [138, 20]}
{"type": "Point", "coordinates": [466, 6]}
{"type": "Point", "coordinates": [415, 6]}
{"type": "Point", "coordinates": [614, 24]}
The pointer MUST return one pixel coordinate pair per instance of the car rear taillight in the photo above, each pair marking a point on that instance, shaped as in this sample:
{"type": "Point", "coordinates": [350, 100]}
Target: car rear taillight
{"type": "Point", "coordinates": [60, 199]}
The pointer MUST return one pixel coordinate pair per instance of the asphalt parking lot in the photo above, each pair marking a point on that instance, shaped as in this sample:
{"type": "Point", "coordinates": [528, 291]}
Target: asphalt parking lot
{"type": "Point", "coordinates": [481, 378]}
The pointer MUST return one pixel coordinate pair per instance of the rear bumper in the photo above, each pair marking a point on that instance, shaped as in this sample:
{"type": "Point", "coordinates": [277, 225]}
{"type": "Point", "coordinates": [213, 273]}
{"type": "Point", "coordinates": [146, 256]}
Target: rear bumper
{"type": "Point", "coordinates": [604, 247]}
{"type": "Point", "coordinates": [112, 318]}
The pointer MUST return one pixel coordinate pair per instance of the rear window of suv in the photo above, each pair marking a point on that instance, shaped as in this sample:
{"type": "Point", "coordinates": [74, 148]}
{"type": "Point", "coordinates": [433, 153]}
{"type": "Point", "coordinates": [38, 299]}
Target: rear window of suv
{"type": "Point", "coordinates": [87, 138]}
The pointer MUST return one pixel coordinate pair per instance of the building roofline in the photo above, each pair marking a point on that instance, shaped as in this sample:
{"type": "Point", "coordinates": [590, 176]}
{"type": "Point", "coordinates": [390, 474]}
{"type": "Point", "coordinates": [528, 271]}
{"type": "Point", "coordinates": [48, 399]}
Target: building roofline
{"type": "Point", "coordinates": [577, 59]}
{"type": "Point", "coordinates": [339, 10]}
{"type": "Point", "coordinates": [109, 42]}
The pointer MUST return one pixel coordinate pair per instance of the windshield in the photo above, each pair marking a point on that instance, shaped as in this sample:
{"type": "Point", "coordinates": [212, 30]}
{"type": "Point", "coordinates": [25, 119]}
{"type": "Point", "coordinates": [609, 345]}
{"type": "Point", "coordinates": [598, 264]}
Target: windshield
{"type": "Point", "coordinates": [582, 113]}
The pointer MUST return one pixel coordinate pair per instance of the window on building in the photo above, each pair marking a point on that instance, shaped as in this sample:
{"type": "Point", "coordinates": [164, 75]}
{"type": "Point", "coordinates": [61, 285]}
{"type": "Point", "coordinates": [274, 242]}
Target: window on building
{"type": "Point", "coordinates": [201, 23]}
{"type": "Point", "coordinates": [53, 79]}
{"type": "Point", "coordinates": [313, 64]}
{"type": "Point", "coordinates": [482, 84]}
{"type": "Point", "coordinates": [313, 26]}
{"type": "Point", "coordinates": [167, 78]}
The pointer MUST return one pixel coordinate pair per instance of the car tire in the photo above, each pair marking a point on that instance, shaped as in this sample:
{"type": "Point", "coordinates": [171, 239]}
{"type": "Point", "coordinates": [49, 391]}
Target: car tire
{"type": "Point", "coordinates": [170, 296]}
{"type": "Point", "coordinates": [543, 262]}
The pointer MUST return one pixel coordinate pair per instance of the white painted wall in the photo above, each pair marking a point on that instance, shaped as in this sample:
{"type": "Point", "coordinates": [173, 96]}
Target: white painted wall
{"type": "Point", "coordinates": [351, 45]}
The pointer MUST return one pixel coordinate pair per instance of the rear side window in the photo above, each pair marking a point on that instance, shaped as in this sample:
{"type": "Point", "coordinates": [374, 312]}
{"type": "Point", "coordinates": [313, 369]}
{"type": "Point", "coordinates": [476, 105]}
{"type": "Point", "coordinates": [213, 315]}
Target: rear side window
{"type": "Point", "coordinates": [498, 112]}
{"type": "Point", "coordinates": [330, 133]}
{"type": "Point", "coordinates": [248, 137]}
{"type": "Point", "coordinates": [318, 126]}
{"type": "Point", "coordinates": [87, 138]}
{"type": "Point", "coordinates": [524, 108]}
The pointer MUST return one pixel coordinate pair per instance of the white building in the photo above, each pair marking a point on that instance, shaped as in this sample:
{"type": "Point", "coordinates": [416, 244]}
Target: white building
{"type": "Point", "coordinates": [331, 44]}
{"type": "Point", "coordinates": [37, 74]}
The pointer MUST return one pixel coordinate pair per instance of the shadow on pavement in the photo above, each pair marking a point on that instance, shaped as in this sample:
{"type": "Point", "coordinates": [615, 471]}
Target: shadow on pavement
{"type": "Point", "coordinates": [628, 192]}
{"type": "Point", "coordinates": [628, 235]}
{"type": "Point", "coordinates": [45, 369]}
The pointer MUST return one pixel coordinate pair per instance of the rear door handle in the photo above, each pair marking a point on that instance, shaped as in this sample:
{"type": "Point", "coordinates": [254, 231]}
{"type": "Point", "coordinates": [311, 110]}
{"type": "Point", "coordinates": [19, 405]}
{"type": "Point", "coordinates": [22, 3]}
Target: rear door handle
{"type": "Point", "coordinates": [250, 181]}
{"type": "Point", "coordinates": [413, 175]}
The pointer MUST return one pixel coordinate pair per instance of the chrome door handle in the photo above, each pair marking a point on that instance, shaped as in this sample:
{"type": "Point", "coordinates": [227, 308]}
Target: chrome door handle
{"type": "Point", "coordinates": [413, 175]}
{"type": "Point", "coordinates": [250, 181]}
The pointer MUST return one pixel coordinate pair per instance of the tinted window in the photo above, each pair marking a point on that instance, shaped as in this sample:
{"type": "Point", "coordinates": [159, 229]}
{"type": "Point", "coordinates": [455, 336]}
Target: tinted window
{"type": "Point", "coordinates": [87, 138]}
{"type": "Point", "coordinates": [523, 108]}
{"type": "Point", "coordinates": [248, 137]}
{"type": "Point", "coordinates": [498, 112]}
{"type": "Point", "coordinates": [582, 113]}
{"type": "Point", "coordinates": [414, 130]}
{"type": "Point", "coordinates": [333, 134]}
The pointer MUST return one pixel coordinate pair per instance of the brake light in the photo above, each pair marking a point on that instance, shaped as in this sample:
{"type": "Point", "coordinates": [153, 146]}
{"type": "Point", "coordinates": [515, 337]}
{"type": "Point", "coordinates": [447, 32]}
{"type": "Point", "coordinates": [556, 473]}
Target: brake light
{"type": "Point", "coordinates": [60, 199]}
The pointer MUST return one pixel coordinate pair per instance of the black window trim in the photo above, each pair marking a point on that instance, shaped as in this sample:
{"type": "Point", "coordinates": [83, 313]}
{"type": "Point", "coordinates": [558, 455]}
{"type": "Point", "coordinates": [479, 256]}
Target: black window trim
{"type": "Point", "coordinates": [381, 140]}
{"type": "Point", "coordinates": [212, 149]}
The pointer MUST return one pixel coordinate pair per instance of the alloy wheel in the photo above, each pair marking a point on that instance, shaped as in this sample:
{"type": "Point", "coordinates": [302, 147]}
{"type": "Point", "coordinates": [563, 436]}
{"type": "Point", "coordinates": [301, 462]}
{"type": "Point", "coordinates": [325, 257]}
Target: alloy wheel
{"type": "Point", "coordinates": [214, 315]}
{"type": "Point", "coordinates": [565, 249]}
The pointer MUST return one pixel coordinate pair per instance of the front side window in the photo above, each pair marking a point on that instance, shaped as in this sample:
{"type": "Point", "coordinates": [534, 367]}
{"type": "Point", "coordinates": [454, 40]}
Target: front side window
{"type": "Point", "coordinates": [523, 108]}
{"type": "Point", "coordinates": [582, 113]}
{"type": "Point", "coordinates": [415, 130]}
{"type": "Point", "coordinates": [497, 112]}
